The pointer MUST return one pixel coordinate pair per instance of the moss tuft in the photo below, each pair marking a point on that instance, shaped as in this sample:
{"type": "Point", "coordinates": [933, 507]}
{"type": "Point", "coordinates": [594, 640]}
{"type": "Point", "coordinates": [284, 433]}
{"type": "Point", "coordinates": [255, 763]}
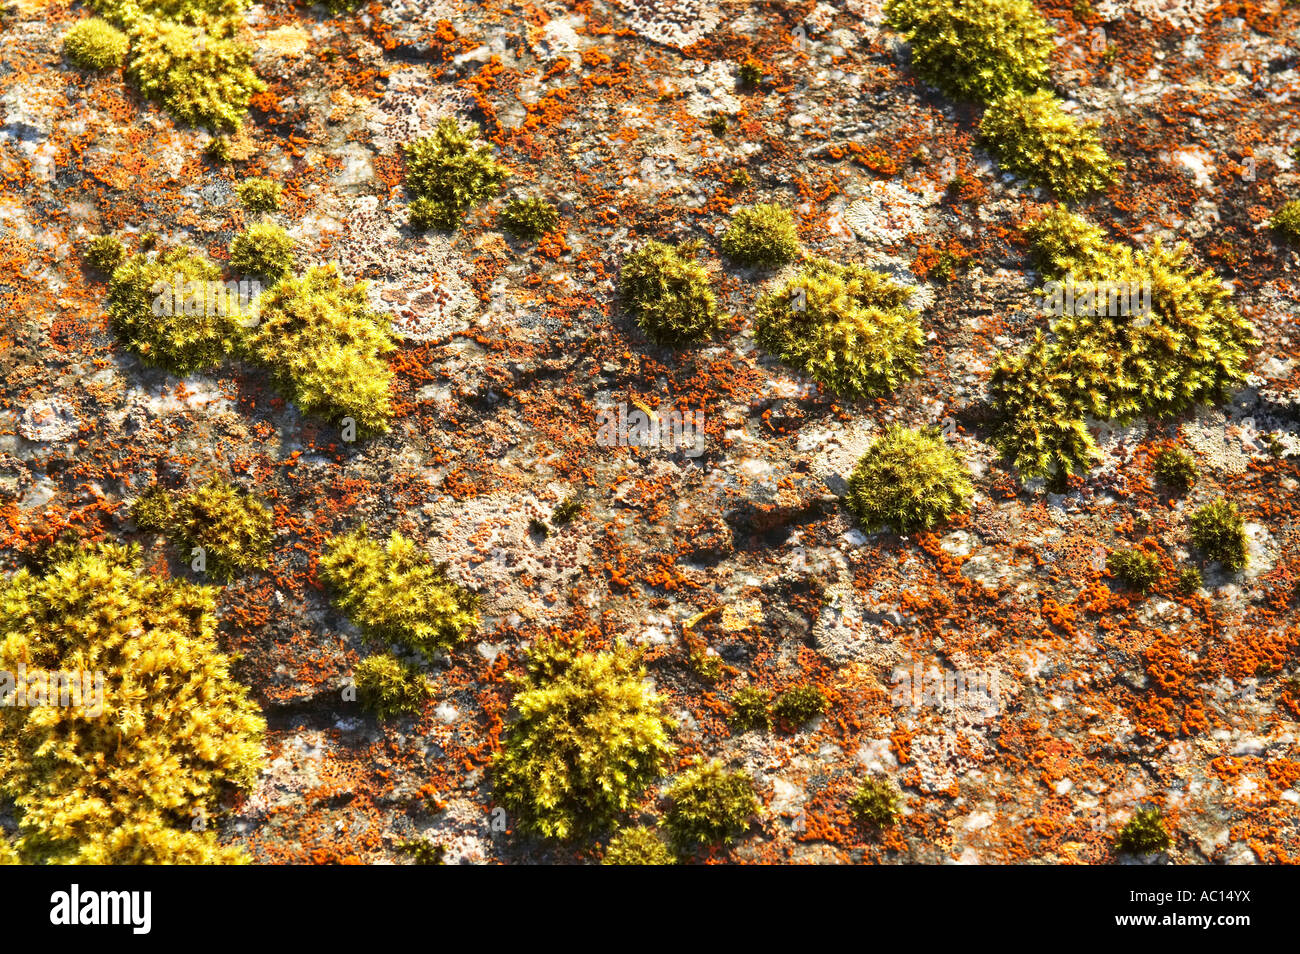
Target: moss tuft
{"type": "Point", "coordinates": [264, 249]}
{"type": "Point", "coordinates": [910, 480]}
{"type": "Point", "coordinates": [259, 195]}
{"type": "Point", "coordinates": [1063, 242]}
{"type": "Point", "coordinates": [389, 687]}
{"type": "Point", "coordinates": [845, 326]}
{"type": "Point", "coordinates": [637, 846]}
{"type": "Point", "coordinates": [95, 44]}
{"type": "Point", "coordinates": [104, 253]}
{"type": "Point", "coordinates": [530, 218]}
{"type": "Point", "coordinates": [229, 525]}
{"type": "Point", "coordinates": [172, 310]}
{"type": "Point", "coordinates": [762, 235]}
{"type": "Point", "coordinates": [799, 705]}
{"type": "Point", "coordinates": [876, 802]}
{"type": "Point", "coordinates": [710, 805]}
{"type": "Point", "coordinates": [1137, 568]}
{"type": "Point", "coordinates": [1174, 468]}
{"type": "Point", "coordinates": [668, 292]}
{"type": "Point", "coordinates": [1144, 834]}
{"type": "Point", "coordinates": [1219, 532]}
{"type": "Point", "coordinates": [1286, 221]}
{"type": "Point", "coordinates": [325, 347]}
{"type": "Point", "coordinates": [588, 737]}
{"type": "Point", "coordinates": [1032, 136]}
{"type": "Point", "coordinates": [749, 710]}
{"type": "Point", "coordinates": [200, 74]}
{"type": "Point", "coordinates": [974, 49]}
{"type": "Point", "coordinates": [120, 782]}
{"type": "Point", "coordinates": [395, 593]}
{"type": "Point", "coordinates": [448, 174]}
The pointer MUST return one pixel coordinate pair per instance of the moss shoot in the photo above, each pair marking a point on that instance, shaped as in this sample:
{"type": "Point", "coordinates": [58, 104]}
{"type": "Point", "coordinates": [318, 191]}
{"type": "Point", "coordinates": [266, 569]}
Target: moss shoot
{"type": "Point", "coordinates": [876, 802]}
{"type": "Point", "coordinates": [229, 527]}
{"type": "Point", "coordinates": [1144, 834]}
{"type": "Point", "coordinates": [389, 687]}
{"type": "Point", "coordinates": [637, 845]}
{"type": "Point", "coordinates": [1219, 532]}
{"type": "Point", "coordinates": [259, 195]}
{"type": "Point", "coordinates": [448, 173]}
{"type": "Point", "coordinates": [846, 326]}
{"type": "Point", "coordinates": [95, 44]}
{"type": "Point", "coordinates": [1032, 136]}
{"type": "Point", "coordinates": [1137, 568]}
{"type": "Point", "coordinates": [710, 805]}
{"type": "Point", "coordinates": [529, 218]}
{"type": "Point", "coordinates": [395, 593]}
{"type": "Point", "coordinates": [763, 235]}
{"type": "Point", "coordinates": [910, 480]}
{"type": "Point", "coordinates": [264, 250]}
{"type": "Point", "coordinates": [588, 736]}
{"type": "Point", "coordinates": [668, 293]}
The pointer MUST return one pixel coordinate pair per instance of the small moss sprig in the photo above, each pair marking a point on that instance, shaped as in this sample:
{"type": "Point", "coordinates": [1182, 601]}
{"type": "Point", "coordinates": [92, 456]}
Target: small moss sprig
{"type": "Point", "coordinates": [530, 218]}
{"type": "Point", "coordinates": [1219, 532]}
{"type": "Point", "coordinates": [710, 805]}
{"type": "Point", "coordinates": [763, 235]}
{"type": "Point", "coordinates": [668, 293]}
{"type": "Point", "coordinates": [637, 845]}
{"type": "Point", "coordinates": [394, 592]}
{"type": "Point", "coordinates": [1032, 136]}
{"type": "Point", "coordinates": [799, 705]}
{"type": "Point", "coordinates": [1145, 833]}
{"type": "Point", "coordinates": [259, 195]}
{"type": "Point", "coordinates": [910, 480]}
{"type": "Point", "coordinates": [95, 44]}
{"type": "Point", "coordinates": [325, 348]}
{"type": "Point", "coordinates": [263, 249]}
{"type": "Point", "coordinates": [1063, 242]}
{"type": "Point", "coordinates": [104, 253]}
{"type": "Point", "coordinates": [588, 736]}
{"type": "Point", "coordinates": [1139, 569]}
{"type": "Point", "coordinates": [750, 710]}
{"type": "Point", "coordinates": [448, 173]}
{"type": "Point", "coordinates": [876, 802]}
{"type": "Point", "coordinates": [1286, 222]}
{"type": "Point", "coordinates": [389, 687]}
{"type": "Point", "coordinates": [846, 326]}
{"type": "Point", "coordinates": [231, 528]}
{"type": "Point", "coordinates": [974, 50]}
{"type": "Point", "coordinates": [1174, 468]}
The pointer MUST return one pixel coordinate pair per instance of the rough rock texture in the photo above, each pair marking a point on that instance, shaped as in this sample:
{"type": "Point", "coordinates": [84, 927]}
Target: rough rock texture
{"type": "Point", "coordinates": [1106, 700]}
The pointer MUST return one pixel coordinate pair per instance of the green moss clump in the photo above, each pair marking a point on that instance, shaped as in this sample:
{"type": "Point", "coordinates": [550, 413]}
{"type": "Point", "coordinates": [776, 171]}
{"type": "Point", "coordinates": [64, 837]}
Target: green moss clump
{"type": "Point", "coordinates": [1286, 221]}
{"type": "Point", "coordinates": [750, 72]}
{"type": "Point", "coordinates": [1063, 242]}
{"type": "Point", "coordinates": [749, 709]}
{"type": "Point", "coordinates": [588, 737]}
{"type": "Point", "coordinates": [325, 347]}
{"type": "Point", "coordinates": [796, 706]}
{"type": "Point", "coordinates": [232, 528]}
{"type": "Point", "coordinates": [1219, 532]}
{"type": "Point", "coordinates": [200, 74]}
{"type": "Point", "coordinates": [762, 235]}
{"type": "Point", "coordinates": [847, 327]}
{"type": "Point", "coordinates": [1032, 136]}
{"type": "Point", "coordinates": [910, 480]}
{"type": "Point", "coordinates": [974, 49]}
{"type": "Point", "coordinates": [104, 253]}
{"type": "Point", "coordinates": [173, 311]}
{"type": "Point", "coordinates": [1190, 347]}
{"type": "Point", "coordinates": [389, 687]}
{"type": "Point", "coordinates": [876, 802]}
{"type": "Point", "coordinates": [263, 249]}
{"type": "Point", "coordinates": [395, 593]}
{"type": "Point", "coordinates": [710, 805]}
{"type": "Point", "coordinates": [259, 195]}
{"type": "Point", "coordinates": [448, 174]}
{"type": "Point", "coordinates": [95, 44]}
{"type": "Point", "coordinates": [1138, 568]}
{"type": "Point", "coordinates": [637, 846]}
{"type": "Point", "coordinates": [118, 778]}
{"type": "Point", "coordinates": [668, 292]}
{"type": "Point", "coordinates": [1189, 580]}
{"type": "Point", "coordinates": [1174, 468]}
{"type": "Point", "coordinates": [127, 12]}
{"type": "Point", "coordinates": [1144, 834]}
{"type": "Point", "coordinates": [530, 218]}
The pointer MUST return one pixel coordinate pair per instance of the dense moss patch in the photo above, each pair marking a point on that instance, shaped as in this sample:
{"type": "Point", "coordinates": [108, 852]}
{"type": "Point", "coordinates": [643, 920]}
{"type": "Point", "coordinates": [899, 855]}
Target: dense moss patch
{"type": "Point", "coordinates": [710, 805]}
{"type": "Point", "coordinates": [588, 736]}
{"type": "Point", "coordinates": [876, 802]}
{"type": "Point", "coordinates": [761, 235]}
{"type": "Point", "coordinates": [395, 593]}
{"type": "Point", "coordinates": [910, 480]}
{"type": "Point", "coordinates": [95, 44]}
{"type": "Point", "coordinates": [637, 846]}
{"type": "Point", "coordinates": [389, 687]}
{"type": "Point", "coordinates": [125, 784]}
{"type": "Point", "coordinates": [668, 292]}
{"type": "Point", "coordinates": [448, 173]}
{"type": "Point", "coordinates": [229, 526]}
{"type": "Point", "coordinates": [264, 249]}
{"type": "Point", "coordinates": [1219, 532]}
{"type": "Point", "coordinates": [846, 326]}
{"type": "Point", "coordinates": [1032, 136]}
